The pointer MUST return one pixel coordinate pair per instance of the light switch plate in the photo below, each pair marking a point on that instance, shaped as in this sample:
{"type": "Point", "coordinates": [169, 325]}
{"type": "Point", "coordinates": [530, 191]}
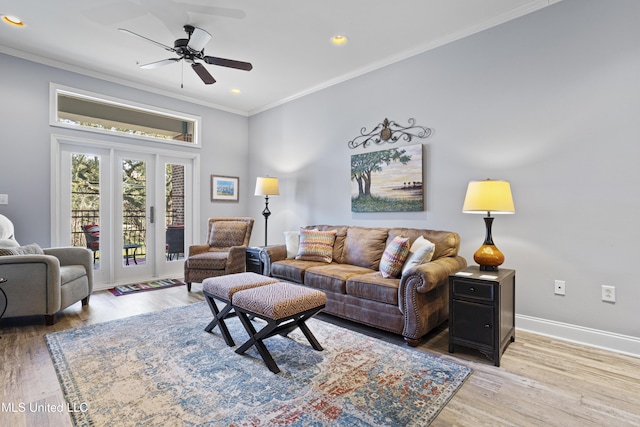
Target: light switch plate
{"type": "Point", "coordinates": [4, 199]}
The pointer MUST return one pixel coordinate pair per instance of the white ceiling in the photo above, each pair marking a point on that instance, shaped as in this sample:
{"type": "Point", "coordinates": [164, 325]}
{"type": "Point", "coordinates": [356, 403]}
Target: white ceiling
{"type": "Point", "coordinates": [287, 41]}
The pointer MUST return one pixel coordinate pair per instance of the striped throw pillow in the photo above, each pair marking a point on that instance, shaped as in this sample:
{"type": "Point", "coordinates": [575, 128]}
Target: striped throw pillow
{"type": "Point", "coordinates": [316, 245]}
{"type": "Point", "coordinates": [394, 257]}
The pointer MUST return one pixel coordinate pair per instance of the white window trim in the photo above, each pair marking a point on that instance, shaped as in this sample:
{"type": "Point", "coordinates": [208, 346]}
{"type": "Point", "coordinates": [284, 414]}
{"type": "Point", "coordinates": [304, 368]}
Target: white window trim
{"type": "Point", "coordinates": [55, 89]}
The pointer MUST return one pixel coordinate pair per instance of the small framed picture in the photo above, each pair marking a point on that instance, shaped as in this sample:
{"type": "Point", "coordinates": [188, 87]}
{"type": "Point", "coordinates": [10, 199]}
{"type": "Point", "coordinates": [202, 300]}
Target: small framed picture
{"type": "Point", "coordinates": [225, 188]}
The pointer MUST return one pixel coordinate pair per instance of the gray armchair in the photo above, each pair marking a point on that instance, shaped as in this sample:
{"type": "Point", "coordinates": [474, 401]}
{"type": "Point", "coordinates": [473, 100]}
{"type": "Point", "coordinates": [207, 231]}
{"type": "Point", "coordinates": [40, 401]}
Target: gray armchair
{"type": "Point", "coordinates": [42, 281]}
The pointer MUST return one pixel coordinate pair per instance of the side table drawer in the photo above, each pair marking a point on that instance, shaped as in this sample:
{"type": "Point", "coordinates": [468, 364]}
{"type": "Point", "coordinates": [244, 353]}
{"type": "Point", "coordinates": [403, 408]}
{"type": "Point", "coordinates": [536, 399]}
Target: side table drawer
{"type": "Point", "coordinates": [472, 289]}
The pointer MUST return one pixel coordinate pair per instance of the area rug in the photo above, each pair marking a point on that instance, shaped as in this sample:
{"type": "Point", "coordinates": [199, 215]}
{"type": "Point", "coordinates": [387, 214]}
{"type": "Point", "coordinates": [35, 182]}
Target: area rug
{"type": "Point", "coordinates": [145, 286]}
{"type": "Point", "coordinates": [162, 369]}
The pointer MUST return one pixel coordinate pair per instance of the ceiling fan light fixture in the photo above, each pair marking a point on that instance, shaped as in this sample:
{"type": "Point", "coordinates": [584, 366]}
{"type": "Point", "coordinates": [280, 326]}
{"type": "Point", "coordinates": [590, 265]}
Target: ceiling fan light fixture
{"type": "Point", "coordinates": [13, 20]}
{"type": "Point", "coordinates": [339, 40]}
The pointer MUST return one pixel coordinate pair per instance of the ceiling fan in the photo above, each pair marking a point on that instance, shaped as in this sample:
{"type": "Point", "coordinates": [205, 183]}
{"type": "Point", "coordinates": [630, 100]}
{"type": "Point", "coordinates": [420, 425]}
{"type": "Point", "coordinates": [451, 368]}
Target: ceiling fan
{"type": "Point", "coordinates": [190, 50]}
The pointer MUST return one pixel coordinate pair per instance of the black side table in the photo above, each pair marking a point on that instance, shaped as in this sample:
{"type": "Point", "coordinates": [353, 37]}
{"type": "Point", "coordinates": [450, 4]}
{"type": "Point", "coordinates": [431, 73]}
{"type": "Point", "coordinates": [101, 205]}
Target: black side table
{"type": "Point", "coordinates": [254, 264]}
{"type": "Point", "coordinates": [482, 310]}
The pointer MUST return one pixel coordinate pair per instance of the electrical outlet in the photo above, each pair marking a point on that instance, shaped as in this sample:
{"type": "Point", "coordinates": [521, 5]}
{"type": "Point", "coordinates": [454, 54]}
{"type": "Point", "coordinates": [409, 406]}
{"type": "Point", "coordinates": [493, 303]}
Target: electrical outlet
{"type": "Point", "coordinates": [559, 287]}
{"type": "Point", "coordinates": [608, 293]}
{"type": "Point", "coordinates": [4, 199]}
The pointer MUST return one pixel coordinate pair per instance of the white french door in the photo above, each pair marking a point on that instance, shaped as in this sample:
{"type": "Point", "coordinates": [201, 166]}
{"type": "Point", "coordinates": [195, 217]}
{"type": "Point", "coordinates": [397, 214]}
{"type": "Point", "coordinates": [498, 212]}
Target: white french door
{"type": "Point", "coordinates": [134, 203]}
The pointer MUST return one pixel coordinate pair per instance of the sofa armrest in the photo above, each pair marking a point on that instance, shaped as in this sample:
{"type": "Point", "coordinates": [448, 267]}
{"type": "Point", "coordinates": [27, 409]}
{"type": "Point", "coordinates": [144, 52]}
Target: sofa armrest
{"type": "Point", "coordinates": [198, 249]}
{"type": "Point", "coordinates": [269, 254]}
{"type": "Point", "coordinates": [423, 295]}
{"type": "Point", "coordinates": [427, 276]}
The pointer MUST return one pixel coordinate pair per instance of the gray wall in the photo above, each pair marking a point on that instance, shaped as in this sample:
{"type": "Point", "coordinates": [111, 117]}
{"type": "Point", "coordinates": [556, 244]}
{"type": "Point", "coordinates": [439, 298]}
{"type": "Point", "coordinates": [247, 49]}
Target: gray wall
{"type": "Point", "coordinates": [25, 143]}
{"type": "Point", "coordinates": [549, 102]}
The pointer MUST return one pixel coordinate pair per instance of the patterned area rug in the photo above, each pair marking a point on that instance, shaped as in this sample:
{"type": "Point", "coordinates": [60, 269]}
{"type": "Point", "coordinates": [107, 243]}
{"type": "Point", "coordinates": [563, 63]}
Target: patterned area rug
{"type": "Point", "coordinates": [145, 286]}
{"type": "Point", "coordinates": [162, 369]}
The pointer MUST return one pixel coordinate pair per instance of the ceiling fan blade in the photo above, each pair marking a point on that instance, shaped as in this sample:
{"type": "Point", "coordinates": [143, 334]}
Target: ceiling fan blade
{"type": "Point", "coordinates": [164, 46]}
{"type": "Point", "coordinates": [198, 40]}
{"type": "Point", "coordinates": [203, 73]}
{"type": "Point", "coordinates": [228, 63]}
{"type": "Point", "coordinates": [161, 63]}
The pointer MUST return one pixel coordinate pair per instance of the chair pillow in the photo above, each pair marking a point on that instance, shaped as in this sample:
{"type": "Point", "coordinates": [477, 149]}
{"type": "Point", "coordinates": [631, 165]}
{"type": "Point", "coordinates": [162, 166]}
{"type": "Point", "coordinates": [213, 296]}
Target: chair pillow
{"type": "Point", "coordinates": [421, 251]}
{"type": "Point", "coordinates": [292, 242]}
{"type": "Point", "coordinates": [225, 234]}
{"type": "Point", "coordinates": [394, 256]}
{"type": "Point", "coordinates": [32, 249]}
{"type": "Point", "coordinates": [316, 245]}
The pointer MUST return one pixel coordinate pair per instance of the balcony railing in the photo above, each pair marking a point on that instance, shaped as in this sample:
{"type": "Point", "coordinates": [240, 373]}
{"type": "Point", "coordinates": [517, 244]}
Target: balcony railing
{"type": "Point", "coordinates": [133, 226]}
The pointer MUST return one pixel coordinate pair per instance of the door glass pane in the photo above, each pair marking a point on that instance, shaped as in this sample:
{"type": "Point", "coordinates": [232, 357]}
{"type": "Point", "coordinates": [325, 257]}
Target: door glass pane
{"type": "Point", "coordinates": [85, 203]}
{"type": "Point", "coordinates": [134, 208]}
{"type": "Point", "coordinates": [174, 218]}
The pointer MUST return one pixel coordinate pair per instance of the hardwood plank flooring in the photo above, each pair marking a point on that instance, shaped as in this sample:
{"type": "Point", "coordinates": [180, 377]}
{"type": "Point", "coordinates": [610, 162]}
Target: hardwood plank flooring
{"type": "Point", "coordinates": [541, 381]}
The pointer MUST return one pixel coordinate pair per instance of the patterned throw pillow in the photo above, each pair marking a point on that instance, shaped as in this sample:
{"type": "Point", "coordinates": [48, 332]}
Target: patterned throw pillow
{"type": "Point", "coordinates": [421, 251]}
{"type": "Point", "coordinates": [316, 245]}
{"type": "Point", "coordinates": [394, 257]}
{"type": "Point", "coordinates": [32, 249]}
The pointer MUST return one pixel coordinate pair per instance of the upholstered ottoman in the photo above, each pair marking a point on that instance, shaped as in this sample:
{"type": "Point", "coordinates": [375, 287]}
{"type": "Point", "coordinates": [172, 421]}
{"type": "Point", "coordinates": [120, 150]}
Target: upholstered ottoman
{"type": "Point", "coordinates": [223, 288]}
{"type": "Point", "coordinates": [284, 306]}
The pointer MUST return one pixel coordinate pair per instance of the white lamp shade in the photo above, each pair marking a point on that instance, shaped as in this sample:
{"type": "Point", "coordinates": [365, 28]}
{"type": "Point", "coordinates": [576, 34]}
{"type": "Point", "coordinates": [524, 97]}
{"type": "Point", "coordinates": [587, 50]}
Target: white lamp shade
{"type": "Point", "coordinates": [267, 186]}
{"type": "Point", "coordinates": [488, 196]}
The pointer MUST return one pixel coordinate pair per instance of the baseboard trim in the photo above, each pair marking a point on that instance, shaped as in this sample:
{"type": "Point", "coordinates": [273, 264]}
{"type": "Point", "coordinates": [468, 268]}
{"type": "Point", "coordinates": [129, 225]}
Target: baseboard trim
{"type": "Point", "coordinates": [618, 343]}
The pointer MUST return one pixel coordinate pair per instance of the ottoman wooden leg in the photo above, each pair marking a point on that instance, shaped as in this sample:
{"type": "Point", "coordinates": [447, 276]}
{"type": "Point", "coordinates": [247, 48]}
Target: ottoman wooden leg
{"type": "Point", "coordinates": [218, 318]}
{"type": "Point", "coordinates": [255, 338]}
{"type": "Point", "coordinates": [275, 327]}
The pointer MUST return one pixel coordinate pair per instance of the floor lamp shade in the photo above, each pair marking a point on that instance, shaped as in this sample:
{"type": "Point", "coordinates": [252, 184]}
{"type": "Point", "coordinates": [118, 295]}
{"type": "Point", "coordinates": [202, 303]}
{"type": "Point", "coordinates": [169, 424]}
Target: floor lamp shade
{"type": "Point", "coordinates": [266, 186]}
{"type": "Point", "coordinates": [489, 196]}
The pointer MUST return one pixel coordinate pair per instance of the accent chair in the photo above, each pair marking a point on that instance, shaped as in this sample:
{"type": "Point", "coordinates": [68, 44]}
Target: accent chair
{"type": "Point", "coordinates": [42, 281]}
{"type": "Point", "coordinates": [224, 253]}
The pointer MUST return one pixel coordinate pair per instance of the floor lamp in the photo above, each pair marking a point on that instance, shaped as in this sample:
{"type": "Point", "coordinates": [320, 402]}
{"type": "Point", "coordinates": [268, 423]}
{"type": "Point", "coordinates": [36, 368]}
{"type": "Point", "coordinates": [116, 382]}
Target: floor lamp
{"type": "Point", "coordinates": [266, 186]}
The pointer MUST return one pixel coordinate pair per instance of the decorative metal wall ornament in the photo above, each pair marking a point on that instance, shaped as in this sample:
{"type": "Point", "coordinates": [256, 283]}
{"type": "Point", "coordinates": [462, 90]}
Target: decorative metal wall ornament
{"type": "Point", "coordinates": [391, 132]}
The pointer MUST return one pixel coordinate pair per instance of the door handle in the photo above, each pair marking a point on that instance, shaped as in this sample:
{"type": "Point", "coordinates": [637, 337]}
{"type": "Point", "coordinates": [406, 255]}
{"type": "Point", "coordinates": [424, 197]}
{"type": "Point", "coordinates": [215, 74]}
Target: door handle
{"type": "Point", "coordinates": [152, 215]}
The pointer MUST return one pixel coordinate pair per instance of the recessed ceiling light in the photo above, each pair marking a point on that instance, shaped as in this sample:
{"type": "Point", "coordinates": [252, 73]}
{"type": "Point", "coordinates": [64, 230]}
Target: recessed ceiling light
{"type": "Point", "coordinates": [12, 20]}
{"type": "Point", "coordinates": [339, 40]}
{"type": "Point", "coordinates": [235, 91]}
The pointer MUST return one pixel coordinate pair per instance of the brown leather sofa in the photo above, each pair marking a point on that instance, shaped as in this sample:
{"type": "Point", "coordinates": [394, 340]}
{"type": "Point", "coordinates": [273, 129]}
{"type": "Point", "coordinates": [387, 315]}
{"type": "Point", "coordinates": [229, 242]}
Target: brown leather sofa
{"type": "Point", "coordinates": [411, 305]}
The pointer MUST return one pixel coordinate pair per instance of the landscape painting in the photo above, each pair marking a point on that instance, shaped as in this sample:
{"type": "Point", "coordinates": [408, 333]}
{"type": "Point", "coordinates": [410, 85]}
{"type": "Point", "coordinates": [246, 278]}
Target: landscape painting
{"type": "Point", "coordinates": [388, 180]}
{"type": "Point", "coordinates": [225, 188]}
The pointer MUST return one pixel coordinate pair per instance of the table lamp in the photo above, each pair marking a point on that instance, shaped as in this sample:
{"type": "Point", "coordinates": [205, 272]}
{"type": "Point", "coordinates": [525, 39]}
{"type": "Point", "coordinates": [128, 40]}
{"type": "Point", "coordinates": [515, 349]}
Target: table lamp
{"type": "Point", "coordinates": [266, 186]}
{"type": "Point", "coordinates": [488, 196]}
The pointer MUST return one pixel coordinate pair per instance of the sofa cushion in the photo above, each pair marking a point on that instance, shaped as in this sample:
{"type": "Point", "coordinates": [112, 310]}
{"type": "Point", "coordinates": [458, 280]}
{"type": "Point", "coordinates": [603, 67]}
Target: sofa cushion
{"type": "Point", "coordinates": [364, 246]}
{"type": "Point", "coordinates": [394, 257]}
{"type": "Point", "coordinates": [374, 287]}
{"type": "Point", "coordinates": [316, 245]}
{"type": "Point", "coordinates": [421, 251]}
{"type": "Point", "coordinates": [225, 234]}
{"type": "Point", "coordinates": [292, 269]}
{"type": "Point", "coordinates": [447, 242]}
{"type": "Point", "coordinates": [32, 249]}
{"type": "Point", "coordinates": [332, 277]}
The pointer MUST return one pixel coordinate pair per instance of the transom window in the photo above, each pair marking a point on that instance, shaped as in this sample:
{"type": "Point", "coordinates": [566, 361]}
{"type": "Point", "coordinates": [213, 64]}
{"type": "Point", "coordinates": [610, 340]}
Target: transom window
{"type": "Point", "coordinates": [97, 113]}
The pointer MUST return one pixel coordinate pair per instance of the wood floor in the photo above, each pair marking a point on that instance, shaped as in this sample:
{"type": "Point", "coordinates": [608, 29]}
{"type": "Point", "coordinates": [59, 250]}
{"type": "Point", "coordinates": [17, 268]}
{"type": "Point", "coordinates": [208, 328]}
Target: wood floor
{"type": "Point", "coordinates": [541, 381]}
